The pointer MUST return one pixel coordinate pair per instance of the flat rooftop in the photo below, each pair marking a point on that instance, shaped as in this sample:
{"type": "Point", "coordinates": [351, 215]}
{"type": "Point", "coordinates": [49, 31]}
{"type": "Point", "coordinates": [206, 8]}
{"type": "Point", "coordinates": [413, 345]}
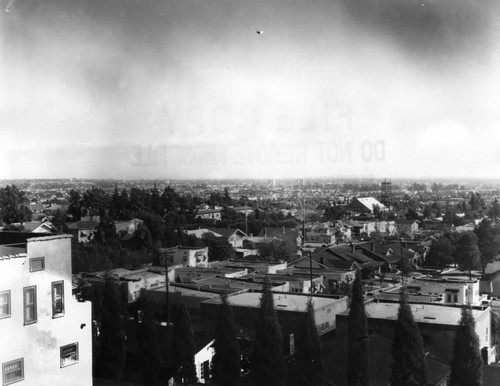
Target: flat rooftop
{"type": "Point", "coordinates": [422, 313]}
{"type": "Point", "coordinates": [286, 302]}
{"type": "Point", "coordinates": [193, 291]}
{"type": "Point", "coordinates": [10, 250]}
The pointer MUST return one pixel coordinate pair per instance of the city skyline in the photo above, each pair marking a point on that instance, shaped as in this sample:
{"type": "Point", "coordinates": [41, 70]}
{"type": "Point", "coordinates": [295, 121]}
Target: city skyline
{"type": "Point", "coordinates": [170, 90]}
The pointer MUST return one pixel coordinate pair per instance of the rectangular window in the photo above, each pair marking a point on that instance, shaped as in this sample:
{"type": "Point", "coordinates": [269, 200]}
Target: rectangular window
{"type": "Point", "coordinates": [69, 354]}
{"type": "Point", "coordinates": [57, 299]}
{"type": "Point", "coordinates": [30, 305]}
{"type": "Point", "coordinates": [37, 264]}
{"type": "Point", "coordinates": [4, 304]}
{"type": "Point", "coordinates": [13, 371]}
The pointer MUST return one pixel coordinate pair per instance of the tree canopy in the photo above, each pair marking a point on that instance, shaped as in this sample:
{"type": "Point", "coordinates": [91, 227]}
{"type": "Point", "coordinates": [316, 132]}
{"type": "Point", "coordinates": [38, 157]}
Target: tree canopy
{"type": "Point", "coordinates": [268, 358]}
{"type": "Point", "coordinates": [408, 356]}
{"type": "Point", "coordinates": [226, 361]}
{"type": "Point", "coordinates": [466, 364]}
{"type": "Point", "coordinates": [358, 367]}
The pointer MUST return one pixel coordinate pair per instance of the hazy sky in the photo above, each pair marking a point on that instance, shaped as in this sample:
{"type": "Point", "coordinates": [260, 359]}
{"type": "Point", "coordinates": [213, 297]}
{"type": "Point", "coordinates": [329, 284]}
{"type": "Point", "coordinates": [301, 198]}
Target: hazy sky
{"type": "Point", "coordinates": [188, 89]}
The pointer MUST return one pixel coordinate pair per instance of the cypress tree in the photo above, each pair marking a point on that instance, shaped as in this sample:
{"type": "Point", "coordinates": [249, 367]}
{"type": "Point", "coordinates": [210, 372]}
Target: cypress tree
{"type": "Point", "coordinates": [226, 361]}
{"type": "Point", "coordinates": [113, 352]}
{"type": "Point", "coordinates": [268, 357]}
{"type": "Point", "coordinates": [183, 345]}
{"type": "Point", "coordinates": [466, 364]}
{"type": "Point", "coordinates": [309, 357]}
{"type": "Point", "coordinates": [358, 367]}
{"type": "Point", "coordinates": [149, 347]}
{"type": "Point", "coordinates": [408, 356]}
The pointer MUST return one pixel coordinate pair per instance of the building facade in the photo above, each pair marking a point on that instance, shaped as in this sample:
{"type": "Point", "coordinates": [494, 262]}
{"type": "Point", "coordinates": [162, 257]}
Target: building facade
{"type": "Point", "coordinates": [46, 333]}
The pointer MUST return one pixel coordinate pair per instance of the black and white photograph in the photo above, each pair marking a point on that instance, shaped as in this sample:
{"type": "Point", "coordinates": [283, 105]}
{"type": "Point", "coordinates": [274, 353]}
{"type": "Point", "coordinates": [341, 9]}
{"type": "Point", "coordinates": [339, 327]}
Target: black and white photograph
{"type": "Point", "coordinates": [250, 192]}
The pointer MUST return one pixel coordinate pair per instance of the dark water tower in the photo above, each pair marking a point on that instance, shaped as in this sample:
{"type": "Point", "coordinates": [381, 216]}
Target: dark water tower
{"type": "Point", "coordinates": [386, 193]}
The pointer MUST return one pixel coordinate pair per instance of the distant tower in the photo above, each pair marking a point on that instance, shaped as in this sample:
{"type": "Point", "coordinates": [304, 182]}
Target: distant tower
{"type": "Point", "coordinates": [386, 193]}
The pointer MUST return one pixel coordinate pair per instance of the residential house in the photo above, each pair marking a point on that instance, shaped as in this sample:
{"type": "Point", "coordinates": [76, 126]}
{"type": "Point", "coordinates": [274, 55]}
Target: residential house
{"type": "Point", "coordinates": [209, 214]}
{"type": "Point", "coordinates": [319, 233]}
{"type": "Point", "coordinates": [83, 231]}
{"type": "Point", "coordinates": [186, 256]}
{"type": "Point", "coordinates": [234, 237]}
{"type": "Point", "coordinates": [282, 234]}
{"type": "Point", "coordinates": [407, 226]}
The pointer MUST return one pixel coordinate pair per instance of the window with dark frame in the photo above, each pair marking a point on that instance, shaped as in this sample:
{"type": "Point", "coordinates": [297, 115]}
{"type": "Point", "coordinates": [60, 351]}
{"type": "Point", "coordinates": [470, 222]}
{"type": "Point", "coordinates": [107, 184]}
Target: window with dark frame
{"type": "Point", "coordinates": [69, 354]}
{"type": "Point", "coordinates": [4, 304]}
{"type": "Point", "coordinates": [30, 315]}
{"type": "Point", "coordinates": [57, 298]}
{"type": "Point", "coordinates": [13, 371]}
{"type": "Point", "coordinates": [37, 264]}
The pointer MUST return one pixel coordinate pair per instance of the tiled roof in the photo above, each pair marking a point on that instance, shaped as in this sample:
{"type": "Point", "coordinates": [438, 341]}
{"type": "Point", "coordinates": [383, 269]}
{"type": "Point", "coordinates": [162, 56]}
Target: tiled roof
{"type": "Point", "coordinates": [83, 225]}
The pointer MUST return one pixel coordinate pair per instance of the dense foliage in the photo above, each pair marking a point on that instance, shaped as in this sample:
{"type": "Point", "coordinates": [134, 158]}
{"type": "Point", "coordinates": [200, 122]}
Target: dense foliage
{"type": "Point", "coordinates": [268, 358]}
{"type": "Point", "coordinates": [358, 367]}
{"type": "Point", "coordinates": [408, 356]}
{"type": "Point", "coordinates": [226, 361]}
{"type": "Point", "coordinates": [466, 364]}
{"type": "Point", "coordinates": [309, 357]}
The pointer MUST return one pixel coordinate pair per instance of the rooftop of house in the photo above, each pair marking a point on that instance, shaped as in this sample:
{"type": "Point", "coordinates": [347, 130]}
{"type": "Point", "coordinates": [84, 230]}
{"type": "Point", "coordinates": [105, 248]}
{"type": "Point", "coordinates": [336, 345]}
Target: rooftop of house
{"type": "Point", "coordinates": [180, 247]}
{"type": "Point", "coordinates": [370, 202]}
{"type": "Point", "coordinates": [12, 250]}
{"type": "Point", "coordinates": [78, 225]}
{"type": "Point", "coordinates": [211, 270]}
{"type": "Point", "coordinates": [422, 313]}
{"type": "Point", "coordinates": [492, 268]}
{"type": "Point", "coordinates": [196, 290]}
{"type": "Point", "coordinates": [282, 301]}
{"type": "Point", "coordinates": [227, 232]}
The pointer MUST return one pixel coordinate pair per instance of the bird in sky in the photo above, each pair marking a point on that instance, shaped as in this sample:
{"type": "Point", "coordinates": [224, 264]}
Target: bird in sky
{"type": "Point", "coordinates": [259, 32]}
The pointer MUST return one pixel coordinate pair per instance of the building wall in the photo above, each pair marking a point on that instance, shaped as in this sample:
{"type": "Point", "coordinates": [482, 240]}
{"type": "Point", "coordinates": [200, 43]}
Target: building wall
{"type": "Point", "coordinates": [438, 338]}
{"type": "Point", "coordinates": [202, 362]}
{"type": "Point", "coordinates": [184, 256]}
{"type": "Point", "coordinates": [39, 343]}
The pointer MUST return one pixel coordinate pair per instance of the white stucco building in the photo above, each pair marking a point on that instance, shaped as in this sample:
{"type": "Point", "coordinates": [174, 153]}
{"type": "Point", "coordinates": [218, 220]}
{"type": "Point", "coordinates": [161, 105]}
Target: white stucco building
{"type": "Point", "coordinates": [45, 332]}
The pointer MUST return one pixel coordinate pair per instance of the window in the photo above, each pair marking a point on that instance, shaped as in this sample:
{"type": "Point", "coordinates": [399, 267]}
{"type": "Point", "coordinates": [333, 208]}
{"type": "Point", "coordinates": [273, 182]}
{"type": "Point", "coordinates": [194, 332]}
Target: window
{"type": "Point", "coordinates": [37, 264]}
{"type": "Point", "coordinates": [69, 354]}
{"type": "Point", "coordinates": [57, 299]}
{"type": "Point", "coordinates": [30, 305]}
{"type": "Point", "coordinates": [4, 304]}
{"type": "Point", "coordinates": [13, 371]}
{"type": "Point", "coordinates": [451, 296]}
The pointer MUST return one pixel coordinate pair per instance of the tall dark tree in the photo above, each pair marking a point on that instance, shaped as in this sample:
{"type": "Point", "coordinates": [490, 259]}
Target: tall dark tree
{"type": "Point", "coordinates": [218, 248]}
{"type": "Point", "coordinates": [226, 361]}
{"type": "Point", "coordinates": [13, 205]}
{"type": "Point", "coordinates": [112, 354]}
{"type": "Point", "coordinates": [183, 345]}
{"type": "Point", "coordinates": [408, 356]}
{"type": "Point", "coordinates": [441, 253]}
{"type": "Point", "coordinates": [269, 360]}
{"type": "Point", "coordinates": [488, 242]}
{"type": "Point", "coordinates": [309, 357]}
{"type": "Point", "coordinates": [467, 254]}
{"type": "Point", "coordinates": [466, 364]}
{"type": "Point", "coordinates": [358, 367]}
{"type": "Point", "coordinates": [149, 346]}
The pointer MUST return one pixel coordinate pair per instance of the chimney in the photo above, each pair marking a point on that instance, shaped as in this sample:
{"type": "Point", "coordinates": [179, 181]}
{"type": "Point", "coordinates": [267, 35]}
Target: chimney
{"type": "Point", "coordinates": [373, 246]}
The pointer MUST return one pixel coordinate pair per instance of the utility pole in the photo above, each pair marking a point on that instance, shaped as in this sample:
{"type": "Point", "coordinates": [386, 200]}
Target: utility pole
{"type": "Point", "coordinates": [167, 293]}
{"type": "Point", "coordinates": [311, 271]}
{"type": "Point", "coordinates": [402, 272]}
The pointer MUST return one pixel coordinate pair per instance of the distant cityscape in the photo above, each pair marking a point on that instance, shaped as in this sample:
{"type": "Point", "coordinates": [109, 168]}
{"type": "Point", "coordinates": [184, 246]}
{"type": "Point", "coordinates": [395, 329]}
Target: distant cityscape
{"type": "Point", "coordinates": [115, 269]}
